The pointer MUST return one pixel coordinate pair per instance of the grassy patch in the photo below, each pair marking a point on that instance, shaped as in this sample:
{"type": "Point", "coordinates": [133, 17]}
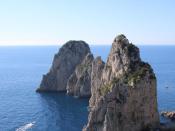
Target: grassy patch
{"type": "Point", "coordinates": [105, 89]}
{"type": "Point", "coordinates": [108, 87]}
{"type": "Point", "coordinates": [140, 73]}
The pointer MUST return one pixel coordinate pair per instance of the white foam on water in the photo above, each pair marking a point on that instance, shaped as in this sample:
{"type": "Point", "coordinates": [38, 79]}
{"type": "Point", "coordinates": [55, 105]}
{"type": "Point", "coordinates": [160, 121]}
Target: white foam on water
{"type": "Point", "coordinates": [26, 127]}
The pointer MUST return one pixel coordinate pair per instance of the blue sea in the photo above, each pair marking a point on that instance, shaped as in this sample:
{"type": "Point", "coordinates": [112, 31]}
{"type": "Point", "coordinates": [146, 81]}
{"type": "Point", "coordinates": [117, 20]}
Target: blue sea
{"type": "Point", "coordinates": [21, 70]}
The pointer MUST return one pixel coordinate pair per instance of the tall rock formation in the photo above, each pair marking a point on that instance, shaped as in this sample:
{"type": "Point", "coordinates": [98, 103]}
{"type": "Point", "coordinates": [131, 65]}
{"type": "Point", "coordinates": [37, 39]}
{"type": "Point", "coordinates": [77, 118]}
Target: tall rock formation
{"type": "Point", "coordinates": [97, 68]}
{"type": "Point", "coordinates": [124, 98]}
{"type": "Point", "coordinates": [79, 83]}
{"type": "Point", "coordinates": [64, 63]}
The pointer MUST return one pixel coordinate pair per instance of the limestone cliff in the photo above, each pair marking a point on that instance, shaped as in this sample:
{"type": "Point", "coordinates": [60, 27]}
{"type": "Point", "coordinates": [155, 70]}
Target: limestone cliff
{"type": "Point", "coordinates": [79, 83]}
{"type": "Point", "coordinates": [64, 63]}
{"type": "Point", "coordinates": [97, 68]}
{"type": "Point", "coordinates": [124, 98]}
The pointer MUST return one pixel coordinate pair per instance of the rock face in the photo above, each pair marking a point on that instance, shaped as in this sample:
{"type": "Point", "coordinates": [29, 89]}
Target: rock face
{"type": "Point", "coordinates": [64, 63]}
{"type": "Point", "coordinates": [124, 98]}
{"type": "Point", "coordinates": [79, 83]}
{"type": "Point", "coordinates": [97, 68]}
{"type": "Point", "coordinates": [170, 115]}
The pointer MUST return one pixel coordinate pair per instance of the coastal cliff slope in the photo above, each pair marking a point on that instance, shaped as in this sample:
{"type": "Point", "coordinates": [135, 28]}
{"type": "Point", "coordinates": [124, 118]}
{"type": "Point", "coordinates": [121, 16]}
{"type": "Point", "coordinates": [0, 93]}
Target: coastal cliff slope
{"type": "Point", "coordinates": [124, 98]}
{"type": "Point", "coordinates": [64, 63]}
{"type": "Point", "coordinates": [79, 83]}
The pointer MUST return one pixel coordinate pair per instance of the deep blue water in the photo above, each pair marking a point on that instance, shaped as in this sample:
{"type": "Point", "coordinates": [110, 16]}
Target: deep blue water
{"type": "Point", "coordinates": [21, 70]}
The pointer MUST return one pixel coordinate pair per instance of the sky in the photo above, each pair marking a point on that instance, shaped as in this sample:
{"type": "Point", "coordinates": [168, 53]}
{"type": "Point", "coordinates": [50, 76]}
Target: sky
{"type": "Point", "coordinates": [53, 22]}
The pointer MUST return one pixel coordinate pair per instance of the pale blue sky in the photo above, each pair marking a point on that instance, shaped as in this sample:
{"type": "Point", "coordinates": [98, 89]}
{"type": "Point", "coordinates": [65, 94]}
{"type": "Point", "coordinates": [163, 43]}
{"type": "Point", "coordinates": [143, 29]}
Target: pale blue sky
{"type": "Point", "coordinates": [53, 22]}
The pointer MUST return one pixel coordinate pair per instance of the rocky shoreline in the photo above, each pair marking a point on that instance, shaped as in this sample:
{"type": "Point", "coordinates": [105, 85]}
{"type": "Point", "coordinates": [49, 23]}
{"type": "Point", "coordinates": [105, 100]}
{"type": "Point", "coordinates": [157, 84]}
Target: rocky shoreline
{"type": "Point", "coordinates": [122, 91]}
{"type": "Point", "coordinates": [168, 114]}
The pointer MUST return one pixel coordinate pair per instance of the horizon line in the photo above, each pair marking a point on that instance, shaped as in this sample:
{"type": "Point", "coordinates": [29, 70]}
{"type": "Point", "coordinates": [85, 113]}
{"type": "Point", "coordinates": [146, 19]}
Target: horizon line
{"type": "Point", "coordinates": [11, 45]}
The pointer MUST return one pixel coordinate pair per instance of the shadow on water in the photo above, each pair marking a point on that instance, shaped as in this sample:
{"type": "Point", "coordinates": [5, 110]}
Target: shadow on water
{"type": "Point", "coordinates": [70, 112]}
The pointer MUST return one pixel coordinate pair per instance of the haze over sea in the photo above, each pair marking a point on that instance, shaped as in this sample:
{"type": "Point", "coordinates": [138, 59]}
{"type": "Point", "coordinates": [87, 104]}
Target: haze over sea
{"type": "Point", "coordinates": [21, 70]}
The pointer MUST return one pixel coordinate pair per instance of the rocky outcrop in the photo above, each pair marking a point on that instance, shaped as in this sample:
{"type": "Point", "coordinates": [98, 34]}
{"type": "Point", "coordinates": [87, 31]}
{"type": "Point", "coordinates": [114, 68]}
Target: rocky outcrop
{"type": "Point", "coordinates": [169, 114]}
{"type": "Point", "coordinates": [126, 92]}
{"type": "Point", "coordinates": [97, 68]}
{"type": "Point", "coordinates": [64, 63]}
{"type": "Point", "coordinates": [79, 83]}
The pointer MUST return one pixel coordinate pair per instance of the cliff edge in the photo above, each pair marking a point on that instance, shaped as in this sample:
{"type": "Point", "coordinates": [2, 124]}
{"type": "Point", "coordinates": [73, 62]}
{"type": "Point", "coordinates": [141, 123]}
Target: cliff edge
{"type": "Point", "coordinates": [64, 63]}
{"type": "Point", "coordinates": [79, 83]}
{"type": "Point", "coordinates": [124, 98]}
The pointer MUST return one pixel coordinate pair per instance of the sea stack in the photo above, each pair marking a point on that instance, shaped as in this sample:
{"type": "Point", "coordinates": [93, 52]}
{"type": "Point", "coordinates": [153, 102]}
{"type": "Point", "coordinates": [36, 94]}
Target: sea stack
{"type": "Point", "coordinates": [64, 63]}
{"type": "Point", "coordinates": [79, 83]}
{"type": "Point", "coordinates": [97, 68]}
{"type": "Point", "coordinates": [125, 96]}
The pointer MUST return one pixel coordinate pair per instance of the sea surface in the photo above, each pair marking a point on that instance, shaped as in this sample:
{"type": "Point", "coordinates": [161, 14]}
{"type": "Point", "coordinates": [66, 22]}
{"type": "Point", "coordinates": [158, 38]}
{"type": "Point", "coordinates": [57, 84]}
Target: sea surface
{"type": "Point", "coordinates": [21, 70]}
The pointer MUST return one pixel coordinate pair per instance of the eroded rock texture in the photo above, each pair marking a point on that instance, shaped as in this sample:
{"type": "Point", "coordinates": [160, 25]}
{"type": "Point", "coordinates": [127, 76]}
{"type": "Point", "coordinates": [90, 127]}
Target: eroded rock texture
{"type": "Point", "coordinates": [64, 63]}
{"type": "Point", "coordinates": [97, 68]}
{"type": "Point", "coordinates": [79, 83]}
{"type": "Point", "coordinates": [126, 97]}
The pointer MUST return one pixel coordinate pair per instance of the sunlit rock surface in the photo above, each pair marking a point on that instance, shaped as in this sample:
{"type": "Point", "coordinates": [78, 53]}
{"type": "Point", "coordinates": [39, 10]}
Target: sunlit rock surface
{"type": "Point", "coordinates": [79, 83]}
{"type": "Point", "coordinates": [126, 97]}
{"type": "Point", "coordinates": [64, 63]}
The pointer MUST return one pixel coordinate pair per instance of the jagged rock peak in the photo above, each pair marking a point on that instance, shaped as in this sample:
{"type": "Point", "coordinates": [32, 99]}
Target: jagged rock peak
{"type": "Point", "coordinates": [64, 63]}
{"type": "Point", "coordinates": [121, 39]}
{"type": "Point", "coordinates": [123, 55]}
{"type": "Point", "coordinates": [125, 97]}
{"type": "Point", "coordinates": [79, 83]}
{"type": "Point", "coordinates": [121, 45]}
